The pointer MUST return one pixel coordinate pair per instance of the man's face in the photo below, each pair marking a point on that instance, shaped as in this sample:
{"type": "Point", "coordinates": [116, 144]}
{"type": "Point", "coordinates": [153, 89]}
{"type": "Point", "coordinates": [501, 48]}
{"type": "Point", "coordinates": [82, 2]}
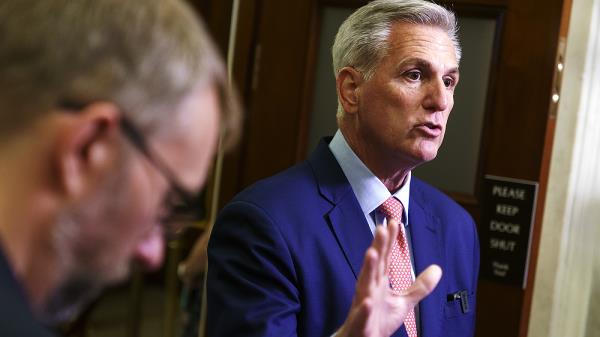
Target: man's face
{"type": "Point", "coordinates": [99, 238]}
{"type": "Point", "coordinates": [403, 109]}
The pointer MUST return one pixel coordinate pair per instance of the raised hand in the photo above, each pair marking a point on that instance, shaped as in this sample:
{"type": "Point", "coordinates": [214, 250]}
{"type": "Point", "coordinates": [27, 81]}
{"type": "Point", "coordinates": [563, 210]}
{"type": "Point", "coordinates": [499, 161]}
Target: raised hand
{"type": "Point", "coordinates": [378, 311]}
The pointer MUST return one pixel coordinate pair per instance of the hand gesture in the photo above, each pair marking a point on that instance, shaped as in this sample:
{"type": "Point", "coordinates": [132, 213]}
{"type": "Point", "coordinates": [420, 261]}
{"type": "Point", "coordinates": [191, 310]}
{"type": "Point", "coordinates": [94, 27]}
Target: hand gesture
{"type": "Point", "coordinates": [378, 311]}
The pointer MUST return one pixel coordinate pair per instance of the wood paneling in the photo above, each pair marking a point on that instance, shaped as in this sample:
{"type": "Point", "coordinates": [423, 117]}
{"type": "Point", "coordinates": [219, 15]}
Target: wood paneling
{"type": "Point", "coordinates": [243, 61]}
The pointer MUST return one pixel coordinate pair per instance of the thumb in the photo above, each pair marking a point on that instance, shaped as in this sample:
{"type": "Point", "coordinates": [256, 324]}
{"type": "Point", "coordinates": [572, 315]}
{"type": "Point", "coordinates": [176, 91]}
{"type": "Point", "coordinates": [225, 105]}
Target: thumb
{"type": "Point", "coordinates": [424, 284]}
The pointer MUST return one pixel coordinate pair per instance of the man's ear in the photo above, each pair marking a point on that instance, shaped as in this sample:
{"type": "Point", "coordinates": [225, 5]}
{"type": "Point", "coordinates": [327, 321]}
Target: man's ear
{"type": "Point", "coordinates": [347, 83]}
{"type": "Point", "coordinates": [87, 148]}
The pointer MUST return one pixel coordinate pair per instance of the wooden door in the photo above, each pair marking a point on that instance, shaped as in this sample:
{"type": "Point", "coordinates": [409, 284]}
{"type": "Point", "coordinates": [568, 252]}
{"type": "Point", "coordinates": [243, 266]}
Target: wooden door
{"type": "Point", "coordinates": [277, 68]}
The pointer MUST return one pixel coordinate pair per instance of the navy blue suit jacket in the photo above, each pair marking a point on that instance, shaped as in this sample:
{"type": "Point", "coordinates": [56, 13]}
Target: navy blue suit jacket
{"type": "Point", "coordinates": [285, 254]}
{"type": "Point", "coordinates": [16, 316]}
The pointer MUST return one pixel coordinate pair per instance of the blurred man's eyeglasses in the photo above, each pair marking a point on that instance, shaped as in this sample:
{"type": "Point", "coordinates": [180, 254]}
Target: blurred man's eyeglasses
{"type": "Point", "coordinates": [180, 207]}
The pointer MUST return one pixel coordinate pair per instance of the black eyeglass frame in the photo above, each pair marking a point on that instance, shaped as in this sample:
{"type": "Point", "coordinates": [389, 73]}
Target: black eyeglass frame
{"type": "Point", "coordinates": [181, 213]}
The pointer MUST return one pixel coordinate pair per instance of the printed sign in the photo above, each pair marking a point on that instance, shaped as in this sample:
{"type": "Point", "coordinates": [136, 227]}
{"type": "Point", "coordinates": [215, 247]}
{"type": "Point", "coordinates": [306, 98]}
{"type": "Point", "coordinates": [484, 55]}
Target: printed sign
{"type": "Point", "coordinates": [505, 230]}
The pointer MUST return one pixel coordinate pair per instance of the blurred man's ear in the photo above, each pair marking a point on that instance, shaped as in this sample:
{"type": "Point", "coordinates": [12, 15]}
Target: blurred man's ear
{"type": "Point", "coordinates": [87, 148]}
{"type": "Point", "coordinates": [348, 81]}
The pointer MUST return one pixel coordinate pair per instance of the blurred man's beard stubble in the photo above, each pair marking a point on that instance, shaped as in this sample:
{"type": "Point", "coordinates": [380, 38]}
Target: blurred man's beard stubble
{"type": "Point", "coordinates": [83, 244]}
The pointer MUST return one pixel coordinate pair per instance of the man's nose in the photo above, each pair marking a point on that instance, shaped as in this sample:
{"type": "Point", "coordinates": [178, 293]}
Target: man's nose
{"type": "Point", "coordinates": [436, 97]}
{"type": "Point", "coordinates": [149, 252]}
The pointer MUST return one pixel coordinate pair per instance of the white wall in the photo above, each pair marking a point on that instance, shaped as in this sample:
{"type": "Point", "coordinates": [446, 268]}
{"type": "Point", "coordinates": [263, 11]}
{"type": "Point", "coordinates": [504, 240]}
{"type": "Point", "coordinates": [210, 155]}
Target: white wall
{"type": "Point", "coordinates": [567, 285]}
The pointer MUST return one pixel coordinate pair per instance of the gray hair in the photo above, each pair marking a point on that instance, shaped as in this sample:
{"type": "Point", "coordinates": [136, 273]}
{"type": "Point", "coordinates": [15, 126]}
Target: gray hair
{"type": "Point", "coordinates": [362, 39]}
{"type": "Point", "coordinates": [143, 55]}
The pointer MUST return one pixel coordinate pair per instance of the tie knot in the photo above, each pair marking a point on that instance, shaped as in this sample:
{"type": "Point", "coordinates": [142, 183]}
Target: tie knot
{"type": "Point", "coordinates": [392, 209]}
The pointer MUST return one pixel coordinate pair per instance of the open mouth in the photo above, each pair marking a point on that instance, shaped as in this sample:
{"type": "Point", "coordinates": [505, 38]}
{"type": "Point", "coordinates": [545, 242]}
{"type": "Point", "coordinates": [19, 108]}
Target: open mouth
{"type": "Point", "coordinates": [430, 129]}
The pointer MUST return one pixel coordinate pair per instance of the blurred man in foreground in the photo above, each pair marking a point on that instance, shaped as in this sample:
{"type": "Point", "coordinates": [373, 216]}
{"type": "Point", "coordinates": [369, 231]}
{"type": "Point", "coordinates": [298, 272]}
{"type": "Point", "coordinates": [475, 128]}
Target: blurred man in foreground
{"type": "Point", "coordinates": [110, 112]}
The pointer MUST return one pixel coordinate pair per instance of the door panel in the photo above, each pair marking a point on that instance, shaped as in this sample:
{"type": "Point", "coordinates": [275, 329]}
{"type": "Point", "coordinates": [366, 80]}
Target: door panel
{"type": "Point", "coordinates": [324, 99]}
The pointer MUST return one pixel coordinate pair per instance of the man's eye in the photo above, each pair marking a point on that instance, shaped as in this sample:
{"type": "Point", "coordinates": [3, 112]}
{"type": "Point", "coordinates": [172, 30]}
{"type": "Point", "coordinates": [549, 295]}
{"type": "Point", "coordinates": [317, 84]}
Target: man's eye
{"type": "Point", "coordinates": [449, 82]}
{"type": "Point", "coordinates": [413, 75]}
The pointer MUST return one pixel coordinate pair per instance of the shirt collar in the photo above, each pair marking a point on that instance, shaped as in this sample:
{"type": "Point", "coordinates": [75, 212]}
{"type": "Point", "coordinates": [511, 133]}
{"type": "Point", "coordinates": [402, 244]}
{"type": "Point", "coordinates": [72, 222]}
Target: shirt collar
{"type": "Point", "coordinates": [368, 189]}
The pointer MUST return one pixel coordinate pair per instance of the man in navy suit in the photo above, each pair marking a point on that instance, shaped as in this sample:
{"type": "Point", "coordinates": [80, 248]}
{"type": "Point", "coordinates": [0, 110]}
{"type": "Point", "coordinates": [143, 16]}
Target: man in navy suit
{"type": "Point", "coordinates": [285, 256]}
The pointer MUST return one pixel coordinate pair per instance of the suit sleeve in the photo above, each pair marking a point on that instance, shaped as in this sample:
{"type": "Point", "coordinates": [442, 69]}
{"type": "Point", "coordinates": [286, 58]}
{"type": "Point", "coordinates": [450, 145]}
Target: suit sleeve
{"type": "Point", "coordinates": [474, 273]}
{"type": "Point", "coordinates": [476, 262]}
{"type": "Point", "coordinates": [251, 282]}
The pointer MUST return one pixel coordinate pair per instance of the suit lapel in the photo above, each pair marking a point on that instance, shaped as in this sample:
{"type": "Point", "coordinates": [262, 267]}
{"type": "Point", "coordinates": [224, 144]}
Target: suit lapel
{"type": "Point", "coordinates": [352, 231]}
{"type": "Point", "coordinates": [426, 237]}
{"type": "Point", "coordinates": [346, 218]}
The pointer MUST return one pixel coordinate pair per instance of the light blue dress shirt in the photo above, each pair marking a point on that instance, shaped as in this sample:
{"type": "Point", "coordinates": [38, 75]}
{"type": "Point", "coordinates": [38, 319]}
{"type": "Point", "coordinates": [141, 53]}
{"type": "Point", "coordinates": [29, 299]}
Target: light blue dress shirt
{"type": "Point", "coordinates": [371, 192]}
{"type": "Point", "coordinates": [368, 189]}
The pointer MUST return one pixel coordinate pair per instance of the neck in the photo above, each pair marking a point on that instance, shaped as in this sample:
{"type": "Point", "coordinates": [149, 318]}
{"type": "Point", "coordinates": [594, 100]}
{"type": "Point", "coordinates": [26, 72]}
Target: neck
{"type": "Point", "coordinates": [25, 223]}
{"type": "Point", "coordinates": [392, 173]}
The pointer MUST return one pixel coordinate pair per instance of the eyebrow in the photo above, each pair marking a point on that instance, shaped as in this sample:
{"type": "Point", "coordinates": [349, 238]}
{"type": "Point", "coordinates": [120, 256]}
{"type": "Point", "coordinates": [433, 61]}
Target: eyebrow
{"type": "Point", "coordinates": [424, 64]}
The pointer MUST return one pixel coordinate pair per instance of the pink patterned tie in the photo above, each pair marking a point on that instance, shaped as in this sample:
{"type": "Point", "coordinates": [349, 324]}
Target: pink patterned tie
{"type": "Point", "coordinates": [400, 269]}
